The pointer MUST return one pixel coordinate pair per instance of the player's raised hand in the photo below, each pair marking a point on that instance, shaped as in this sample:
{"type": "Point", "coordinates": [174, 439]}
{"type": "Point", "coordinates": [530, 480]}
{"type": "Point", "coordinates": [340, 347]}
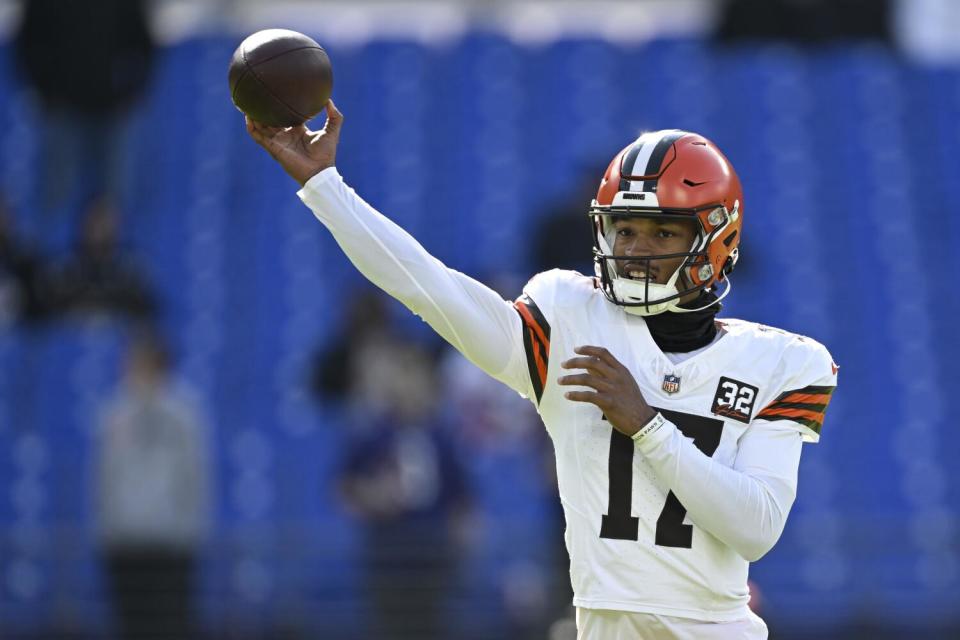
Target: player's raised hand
{"type": "Point", "coordinates": [302, 153]}
{"type": "Point", "coordinates": [615, 390]}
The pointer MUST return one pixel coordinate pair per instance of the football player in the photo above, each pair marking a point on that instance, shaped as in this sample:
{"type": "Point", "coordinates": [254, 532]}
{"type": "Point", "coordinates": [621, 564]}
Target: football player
{"type": "Point", "coordinates": [677, 434]}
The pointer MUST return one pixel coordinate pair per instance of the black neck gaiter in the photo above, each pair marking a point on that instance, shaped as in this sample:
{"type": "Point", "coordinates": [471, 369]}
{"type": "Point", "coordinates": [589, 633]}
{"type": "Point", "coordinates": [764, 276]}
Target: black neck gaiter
{"type": "Point", "coordinates": [684, 332]}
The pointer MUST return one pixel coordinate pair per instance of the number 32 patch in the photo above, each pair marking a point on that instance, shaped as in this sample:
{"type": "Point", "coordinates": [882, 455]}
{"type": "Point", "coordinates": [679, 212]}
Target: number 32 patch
{"type": "Point", "coordinates": [734, 399]}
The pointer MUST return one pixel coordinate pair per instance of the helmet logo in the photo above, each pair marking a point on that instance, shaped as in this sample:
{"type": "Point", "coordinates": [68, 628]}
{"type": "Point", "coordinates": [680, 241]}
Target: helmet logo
{"type": "Point", "coordinates": [671, 383]}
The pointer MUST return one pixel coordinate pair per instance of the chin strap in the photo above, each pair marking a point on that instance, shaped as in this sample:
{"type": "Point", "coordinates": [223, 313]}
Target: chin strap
{"type": "Point", "coordinates": [679, 309]}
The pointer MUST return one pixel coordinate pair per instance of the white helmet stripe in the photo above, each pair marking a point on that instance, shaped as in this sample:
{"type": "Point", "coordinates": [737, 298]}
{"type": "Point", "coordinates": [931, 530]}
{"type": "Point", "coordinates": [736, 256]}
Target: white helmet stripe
{"type": "Point", "coordinates": [647, 142]}
{"type": "Point", "coordinates": [645, 157]}
{"type": "Point", "coordinates": [657, 155]}
{"type": "Point", "coordinates": [630, 161]}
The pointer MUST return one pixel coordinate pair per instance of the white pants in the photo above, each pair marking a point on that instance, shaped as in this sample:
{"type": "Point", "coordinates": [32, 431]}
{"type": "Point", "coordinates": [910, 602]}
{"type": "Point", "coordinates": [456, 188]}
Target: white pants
{"type": "Point", "coordinates": [603, 624]}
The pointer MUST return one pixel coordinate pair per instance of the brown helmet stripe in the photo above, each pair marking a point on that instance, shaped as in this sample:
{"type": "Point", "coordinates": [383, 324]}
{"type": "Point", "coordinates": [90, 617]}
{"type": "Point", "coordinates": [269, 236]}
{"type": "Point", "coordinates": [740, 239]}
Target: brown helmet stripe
{"type": "Point", "coordinates": [626, 164]}
{"type": "Point", "coordinates": [657, 156]}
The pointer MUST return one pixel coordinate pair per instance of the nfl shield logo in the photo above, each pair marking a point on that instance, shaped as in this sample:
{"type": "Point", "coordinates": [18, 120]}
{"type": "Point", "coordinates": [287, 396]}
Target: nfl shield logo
{"type": "Point", "coordinates": [671, 383]}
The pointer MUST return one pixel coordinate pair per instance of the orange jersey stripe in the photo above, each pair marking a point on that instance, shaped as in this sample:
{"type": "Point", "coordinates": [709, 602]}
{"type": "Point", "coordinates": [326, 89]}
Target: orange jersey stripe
{"type": "Point", "coordinates": [807, 398]}
{"type": "Point", "coordinates": [528, 318]}
{"type": "Point", "coordinates": [541, 365]}
{"type": "Point", "coordinates": [790, 412]}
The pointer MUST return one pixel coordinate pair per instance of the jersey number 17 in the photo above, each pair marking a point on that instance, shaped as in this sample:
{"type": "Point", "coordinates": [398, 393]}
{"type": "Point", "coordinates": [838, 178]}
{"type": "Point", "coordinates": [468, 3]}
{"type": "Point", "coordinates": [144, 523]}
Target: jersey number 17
{"type": "Point", "coordinates": [618, 523]}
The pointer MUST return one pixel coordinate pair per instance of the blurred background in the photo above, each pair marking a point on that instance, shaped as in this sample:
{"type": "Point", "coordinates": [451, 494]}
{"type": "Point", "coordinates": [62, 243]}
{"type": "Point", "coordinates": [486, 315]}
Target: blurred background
{"type": "Point", "coordinates": [211, 427]}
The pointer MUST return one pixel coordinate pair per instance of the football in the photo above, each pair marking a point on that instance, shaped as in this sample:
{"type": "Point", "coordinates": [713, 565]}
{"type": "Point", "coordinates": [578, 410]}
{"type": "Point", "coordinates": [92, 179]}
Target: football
{"type": "Point", "coordinates": [280, 78]}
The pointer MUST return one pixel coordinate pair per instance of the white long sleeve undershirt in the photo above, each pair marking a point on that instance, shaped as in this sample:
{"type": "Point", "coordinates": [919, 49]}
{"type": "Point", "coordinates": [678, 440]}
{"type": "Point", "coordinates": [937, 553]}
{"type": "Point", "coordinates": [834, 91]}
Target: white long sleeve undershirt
{"type": "Point", "coordinates": [469, 315]}
{"type": "Point", "coordinates": [745, 506]}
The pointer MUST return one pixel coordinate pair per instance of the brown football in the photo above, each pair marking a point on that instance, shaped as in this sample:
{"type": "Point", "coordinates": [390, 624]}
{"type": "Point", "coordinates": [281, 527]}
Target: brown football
{"type": "Point", "coordinates": [280, 78]}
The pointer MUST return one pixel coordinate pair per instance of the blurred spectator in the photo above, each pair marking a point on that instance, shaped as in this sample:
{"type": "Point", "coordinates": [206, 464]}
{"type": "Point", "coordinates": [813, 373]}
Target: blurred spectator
{"type": "Point", "coordinates": [152, 496]}
{"type": "Point", "coordinates": [490, 416]}
{"type": "Point", "coordinates": [99, 277]}
{"type": "Point", "coordinates": [402, 479]}
{"type": "Point", "coordinates": [339, 370]}
{"type": "Point", "coordinates": [88, 61]}
{"type": "Point", "coordinates": [926, 30]}
{"type": "Point", "coordinates": [506, 439]}
{"type": "Point", "coordinates": [24, 281]}
{"type": "Point", "coordinates": [567, 244]}
{"type": "Point", "coordinates": [805, 21]}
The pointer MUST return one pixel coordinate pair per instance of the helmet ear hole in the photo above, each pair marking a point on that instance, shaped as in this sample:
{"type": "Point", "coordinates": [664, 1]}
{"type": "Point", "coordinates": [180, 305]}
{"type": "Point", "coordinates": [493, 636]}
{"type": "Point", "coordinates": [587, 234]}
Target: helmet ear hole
{"type": "Point", "coordinates": [730, 262]}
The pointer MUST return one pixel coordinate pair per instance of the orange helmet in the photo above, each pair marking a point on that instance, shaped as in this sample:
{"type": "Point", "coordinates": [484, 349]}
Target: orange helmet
{"type": "Point", "coordinates": [669, 174]}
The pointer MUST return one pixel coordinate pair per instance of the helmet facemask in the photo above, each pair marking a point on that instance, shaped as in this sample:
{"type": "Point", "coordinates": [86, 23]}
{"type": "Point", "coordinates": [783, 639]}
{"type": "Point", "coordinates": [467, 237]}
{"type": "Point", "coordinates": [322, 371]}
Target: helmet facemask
{"type": "Point", "coordinates": [644, 296]}
{"type": "Point", "coordinates": [668, 175]}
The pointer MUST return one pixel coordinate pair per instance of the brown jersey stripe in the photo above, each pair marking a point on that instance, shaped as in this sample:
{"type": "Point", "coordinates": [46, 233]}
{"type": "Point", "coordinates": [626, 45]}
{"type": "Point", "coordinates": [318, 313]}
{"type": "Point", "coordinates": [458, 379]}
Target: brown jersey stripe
{"type": "Point", "coordinates": [540, 359]}
{"type": "Point", "coordinates": [535, 379]}
{"type": "Point", "coordinates": [816, 398]}
{"type": "Point", "coordinates": [827, 389]}
{"type": "Point", "coordinates": [814, 425]}
{"type": "Point", "coordinates": [813, 394]}
{"type": "Point", "coordinates": [530, 323]}
{"type": "Point", "coordinates": [812, 390]}
{"type": "Point", "coordinates": [809, 406]}
{"type": "Point", "coordinates": [534, 317]}
{"type": "Point", "coordinates": [792, 413]}
{"type": "Point", "coordinates": [536, 342]}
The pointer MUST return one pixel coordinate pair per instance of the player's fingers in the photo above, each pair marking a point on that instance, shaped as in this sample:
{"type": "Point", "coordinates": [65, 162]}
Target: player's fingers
{"type": "Point", "coordinates": [300, 131]}
{"type": "Point", "coordinates": [261, 129]}
{"type": "Point", "coordinates": [584, 380]}
{"type": "Point", "coordinates": [273, 146]}
{"type": "Point", "coordinates": [253, 129]}
{"type": "Point", "coordinates": [583, 396]}
{"type": "Point", "coordinates": [599, 352]}
{"type": "Point", "coordinates": [589, 350]}
{"type": "Point", "coordinates": [270, 145]}
{"type": "Point", "coordinates": [334, 119]}
{"type": "Point", "coordinates": [300, 134]}
{"type": "Point", "coordinates": [265, 136]}
{"type": "Point", "coordinates": [589, 363]}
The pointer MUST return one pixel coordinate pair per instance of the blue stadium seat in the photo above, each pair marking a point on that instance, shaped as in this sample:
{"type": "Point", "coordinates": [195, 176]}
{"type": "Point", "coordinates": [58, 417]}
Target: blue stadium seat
{"type": "Point", "coordinates": [848, 157]}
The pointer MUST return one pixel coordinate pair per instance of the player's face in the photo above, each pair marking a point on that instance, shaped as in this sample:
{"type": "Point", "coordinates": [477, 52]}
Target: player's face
{"type": "Point", "coordinates": [646, 237]}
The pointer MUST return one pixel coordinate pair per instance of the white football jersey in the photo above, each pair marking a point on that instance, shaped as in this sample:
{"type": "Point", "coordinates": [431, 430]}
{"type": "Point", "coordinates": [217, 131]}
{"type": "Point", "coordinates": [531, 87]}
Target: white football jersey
{"type": "Point", "coordinates": [631, 545]}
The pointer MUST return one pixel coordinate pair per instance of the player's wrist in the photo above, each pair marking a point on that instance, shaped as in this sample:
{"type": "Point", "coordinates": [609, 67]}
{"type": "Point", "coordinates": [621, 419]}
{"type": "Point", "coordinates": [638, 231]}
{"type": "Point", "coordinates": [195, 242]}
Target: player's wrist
{"type": "Point", "coordinates": [315, 181]}
{"type": "Point", "coordinates": [651, 426]}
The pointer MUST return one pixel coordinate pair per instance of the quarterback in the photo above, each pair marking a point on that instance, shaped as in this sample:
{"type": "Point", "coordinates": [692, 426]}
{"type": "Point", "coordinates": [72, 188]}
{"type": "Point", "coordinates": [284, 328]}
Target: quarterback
{"type": "Point", "coordinates": [677, 434]}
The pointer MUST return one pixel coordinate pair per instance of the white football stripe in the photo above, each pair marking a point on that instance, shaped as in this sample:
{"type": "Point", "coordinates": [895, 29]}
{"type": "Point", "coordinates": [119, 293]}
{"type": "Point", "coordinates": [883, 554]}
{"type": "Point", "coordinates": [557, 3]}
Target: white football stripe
{"type": "Point", "coordinates": [650, 141]}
